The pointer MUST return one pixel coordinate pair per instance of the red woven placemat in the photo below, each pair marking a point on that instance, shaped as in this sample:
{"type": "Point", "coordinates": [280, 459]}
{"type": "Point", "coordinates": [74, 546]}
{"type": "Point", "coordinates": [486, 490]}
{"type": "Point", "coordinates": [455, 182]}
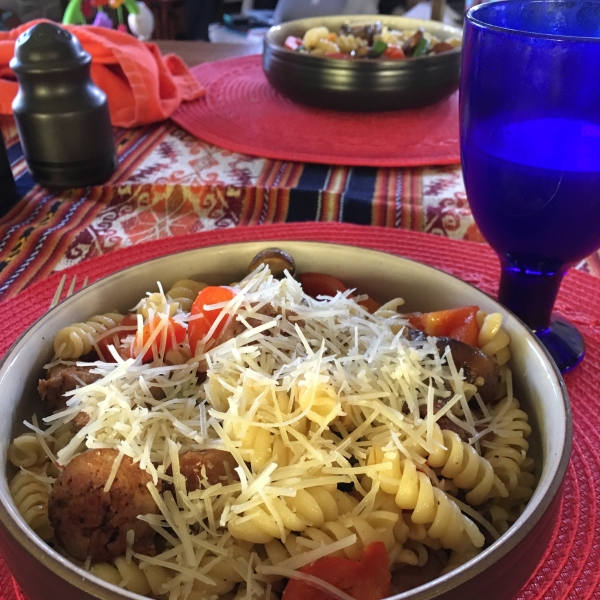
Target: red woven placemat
{"type": "Point", "coordinates": [242, 112]}
{"type": "Point", "coordinates": [570, 569]}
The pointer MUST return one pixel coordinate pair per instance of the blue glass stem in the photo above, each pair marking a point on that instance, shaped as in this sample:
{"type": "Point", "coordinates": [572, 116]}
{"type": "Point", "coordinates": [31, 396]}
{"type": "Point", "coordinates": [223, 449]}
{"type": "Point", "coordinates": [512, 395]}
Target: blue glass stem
{"type": "Point", "coordinates": [529, 295]}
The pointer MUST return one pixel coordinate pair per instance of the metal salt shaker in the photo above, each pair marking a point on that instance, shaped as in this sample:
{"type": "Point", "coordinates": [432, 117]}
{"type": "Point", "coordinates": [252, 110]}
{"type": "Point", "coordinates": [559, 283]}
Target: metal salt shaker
{"type": "Point", "coordinates": [61, 115]}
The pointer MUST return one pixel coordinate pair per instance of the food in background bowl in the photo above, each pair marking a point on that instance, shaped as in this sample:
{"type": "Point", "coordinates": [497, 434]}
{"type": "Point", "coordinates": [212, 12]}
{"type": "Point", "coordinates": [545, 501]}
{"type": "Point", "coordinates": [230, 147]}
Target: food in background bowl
{"type": "Point", "coordinates": [43, 572]}
{"type": "Point", "coordinates": [361, 84]}
{"type": "Point", "coordinates": [268, 437]}
{"type": "Point", "coordinates": [372, 40]}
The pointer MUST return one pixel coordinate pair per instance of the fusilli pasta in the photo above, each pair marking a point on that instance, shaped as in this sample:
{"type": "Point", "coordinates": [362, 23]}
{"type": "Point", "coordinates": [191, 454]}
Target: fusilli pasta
{"type": "Point", "coordinates": [432, 507]}
{"type": "Point", "coordinates": [78, 339]}
{"type": "Point", "coordinates": [30, 491]}
{"type": "Point", "coordinates": [184, 292]}
{"type": "Point", "coordinates": [493, 340]}
{"type": "Point", "coordinates": [461, 463]}
{"type": "Point", "coordinates": [507, 449]}
{"type": "Point", "coordinates": [26, 451]}
{"type": "Point", "coordinates": [158, 304]}
{"type": "Point", "coordinates": [129, 575]}
{"type": "Point", "coordinates": [309, 507]}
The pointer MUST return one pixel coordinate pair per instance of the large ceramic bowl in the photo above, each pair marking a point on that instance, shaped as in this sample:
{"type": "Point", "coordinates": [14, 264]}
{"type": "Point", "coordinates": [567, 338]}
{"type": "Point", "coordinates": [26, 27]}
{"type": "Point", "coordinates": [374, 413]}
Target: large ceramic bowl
{"type": "Point", "coordinates": [496, 574]}
{"type": "Point", "coordinates": [361, 84]}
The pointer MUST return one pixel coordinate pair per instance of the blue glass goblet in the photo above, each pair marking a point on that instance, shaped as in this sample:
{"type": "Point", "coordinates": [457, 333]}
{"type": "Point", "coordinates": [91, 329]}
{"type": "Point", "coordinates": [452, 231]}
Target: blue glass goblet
{"type": "Point", "coordinates": [530, 149]}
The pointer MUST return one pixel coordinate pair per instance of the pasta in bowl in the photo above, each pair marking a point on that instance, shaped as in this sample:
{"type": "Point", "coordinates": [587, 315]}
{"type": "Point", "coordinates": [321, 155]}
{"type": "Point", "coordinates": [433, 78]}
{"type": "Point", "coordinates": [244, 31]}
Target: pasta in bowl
{"type": "Point", "coordinates": [372, 41]}
{"type": "Point", "coordinates": [363, 63]}
{"type": "Point", "coordinates": [299, 430]}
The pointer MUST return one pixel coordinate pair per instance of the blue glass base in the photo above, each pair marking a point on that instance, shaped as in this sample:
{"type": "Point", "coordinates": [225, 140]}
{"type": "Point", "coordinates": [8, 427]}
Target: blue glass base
{"type": "Point", "coordinates": [564, 343]}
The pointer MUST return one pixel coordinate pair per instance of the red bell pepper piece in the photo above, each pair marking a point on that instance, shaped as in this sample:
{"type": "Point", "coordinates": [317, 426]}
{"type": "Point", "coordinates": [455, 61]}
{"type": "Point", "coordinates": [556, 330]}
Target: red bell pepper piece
{"type": "Point", "coordinates": [320, 284]}
{"type": "Point", "coordinates": [292, 42]}
{"type": "Point", "coordinates": [199, 326]}
{"type": "Point", "coordinates": [457, 323]}
{"type": "Point", "coordinates": [173, 334]}
{"type": "Point", "coordinates": [115, 338]}
{"type": "Point", "coordinates": [394, 53]}
{"type": "Point", "coordinates": [365, 579]}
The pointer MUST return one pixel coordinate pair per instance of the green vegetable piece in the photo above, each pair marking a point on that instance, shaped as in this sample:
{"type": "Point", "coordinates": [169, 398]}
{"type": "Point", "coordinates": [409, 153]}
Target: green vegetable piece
{"type": "Point", "coordinates": [421, 48]}
{"type": "Point", "coordinates": [379, 47]}
{"type": "Point", "coordinates": [73, 14]}
{"type": "Point", "coordinates": [132, 7]}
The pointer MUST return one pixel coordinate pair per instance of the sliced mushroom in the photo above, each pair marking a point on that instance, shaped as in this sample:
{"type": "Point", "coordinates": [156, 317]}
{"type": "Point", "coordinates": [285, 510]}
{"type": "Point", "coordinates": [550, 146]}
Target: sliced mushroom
{"type": "Point", "coordinates": [276, 259]}
{"type": "Point", "coordinates": [445, 423]}
{"type": "Point", "coordinates": [478, 368]}
{"type": "Point", "coordinates": [414, 39]}
{"type": "Point", "coordinates": [364, 31]}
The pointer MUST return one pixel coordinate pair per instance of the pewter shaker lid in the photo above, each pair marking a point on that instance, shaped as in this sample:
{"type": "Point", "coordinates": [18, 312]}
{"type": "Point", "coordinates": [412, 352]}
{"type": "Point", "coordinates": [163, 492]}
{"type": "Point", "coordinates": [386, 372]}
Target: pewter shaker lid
{"type": "Point", "coordinates": [47, 46]}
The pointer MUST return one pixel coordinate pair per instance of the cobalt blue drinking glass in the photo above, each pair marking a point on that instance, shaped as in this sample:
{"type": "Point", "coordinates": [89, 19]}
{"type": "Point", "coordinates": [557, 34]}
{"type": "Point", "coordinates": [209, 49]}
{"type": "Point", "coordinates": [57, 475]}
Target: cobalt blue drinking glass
{"type": "Point", "coordinates": [530, 150]}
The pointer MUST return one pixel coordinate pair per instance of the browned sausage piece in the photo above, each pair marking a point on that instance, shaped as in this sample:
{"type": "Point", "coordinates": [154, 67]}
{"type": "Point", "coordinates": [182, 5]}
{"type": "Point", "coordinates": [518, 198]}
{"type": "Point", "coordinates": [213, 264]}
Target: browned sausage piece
{"type": "Point", "coordinates": [61, 379]}
{"type": "Point", "coordinates": [91, 522]}
{"type": "Point", "coordinates": [219, 466]}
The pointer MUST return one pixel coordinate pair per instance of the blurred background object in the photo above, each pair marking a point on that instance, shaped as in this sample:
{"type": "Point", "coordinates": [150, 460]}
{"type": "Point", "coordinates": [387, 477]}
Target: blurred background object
{"type": "Point", "coordinates": [234, 21]}
{"type": "Point", "coordinates": [141, 24]}
{"type": "Point", "coordinates": [289, 10]}
{"type": "Point", "coordinates": [244, 22]}
{"type": "Point", "coordinates": [27, 10]}
{"type": "Point", "coordinates": [251, 22]}
{"type": "Point", "coordinates": [200, 15]}
{"type": "Point", "coordinates": [436, 10]}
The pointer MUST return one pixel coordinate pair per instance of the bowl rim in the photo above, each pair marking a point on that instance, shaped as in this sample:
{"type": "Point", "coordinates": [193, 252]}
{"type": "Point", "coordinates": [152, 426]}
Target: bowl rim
{"type": "Point", "coordinates": [41, 553]}
{"type": "Point", "coordinates": [271, 44]}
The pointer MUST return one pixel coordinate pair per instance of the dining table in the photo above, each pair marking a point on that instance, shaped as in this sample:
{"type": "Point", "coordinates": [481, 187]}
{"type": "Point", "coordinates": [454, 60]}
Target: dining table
{"type": "Point", "coordinates": [169, 182]}
{"type": "Point", "coordinates": [174, 191]}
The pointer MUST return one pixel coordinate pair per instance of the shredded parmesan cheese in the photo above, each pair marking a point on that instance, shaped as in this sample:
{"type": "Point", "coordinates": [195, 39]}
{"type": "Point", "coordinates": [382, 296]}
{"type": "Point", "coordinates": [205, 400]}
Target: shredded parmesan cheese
{"type": "Point", "coordinates": [300, 395]}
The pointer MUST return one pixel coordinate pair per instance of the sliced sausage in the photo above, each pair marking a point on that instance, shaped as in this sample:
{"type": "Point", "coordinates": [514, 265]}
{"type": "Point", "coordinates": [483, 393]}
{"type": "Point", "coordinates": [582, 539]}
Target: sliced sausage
{"type": "Point", "coordinates": [60, 379]}
{"type": "Point", "coordinates": [91, 522]}
{"type": "Point", "coordinates": [219, 467]}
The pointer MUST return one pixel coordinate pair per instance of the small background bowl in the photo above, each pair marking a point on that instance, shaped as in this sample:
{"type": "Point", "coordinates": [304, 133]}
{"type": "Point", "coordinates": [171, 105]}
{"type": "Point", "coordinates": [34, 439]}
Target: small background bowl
{"type": "Point", "coordinates": [361, 84]}
{"type": "Point", "coordinates": [498, 573]}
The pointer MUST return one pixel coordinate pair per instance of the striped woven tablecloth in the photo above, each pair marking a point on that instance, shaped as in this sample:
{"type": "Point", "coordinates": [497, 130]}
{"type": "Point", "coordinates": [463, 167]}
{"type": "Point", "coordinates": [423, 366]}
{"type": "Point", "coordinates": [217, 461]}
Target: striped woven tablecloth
{"type": "Point", "coordinates": [169, 183]}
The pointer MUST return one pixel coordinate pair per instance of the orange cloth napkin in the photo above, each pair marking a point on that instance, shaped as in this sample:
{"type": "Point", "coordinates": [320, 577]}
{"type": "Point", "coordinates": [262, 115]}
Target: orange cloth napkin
{"type": "Point", "coordinates": [142, 85]}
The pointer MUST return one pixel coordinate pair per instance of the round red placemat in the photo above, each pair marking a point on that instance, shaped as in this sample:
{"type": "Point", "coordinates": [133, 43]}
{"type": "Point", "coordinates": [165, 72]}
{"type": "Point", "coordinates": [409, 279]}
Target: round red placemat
{"type": "Point", "coordinates": [570, 569]}
{"type": "Point", "coordinates": [242, 112]}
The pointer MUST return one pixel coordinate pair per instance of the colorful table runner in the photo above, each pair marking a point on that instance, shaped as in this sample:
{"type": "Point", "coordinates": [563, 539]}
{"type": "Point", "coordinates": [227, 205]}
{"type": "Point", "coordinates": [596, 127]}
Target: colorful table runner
{"type": "Point", "coordinates": [170, 183]}
{"type": "Point", "coordinates": [569, 570]}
